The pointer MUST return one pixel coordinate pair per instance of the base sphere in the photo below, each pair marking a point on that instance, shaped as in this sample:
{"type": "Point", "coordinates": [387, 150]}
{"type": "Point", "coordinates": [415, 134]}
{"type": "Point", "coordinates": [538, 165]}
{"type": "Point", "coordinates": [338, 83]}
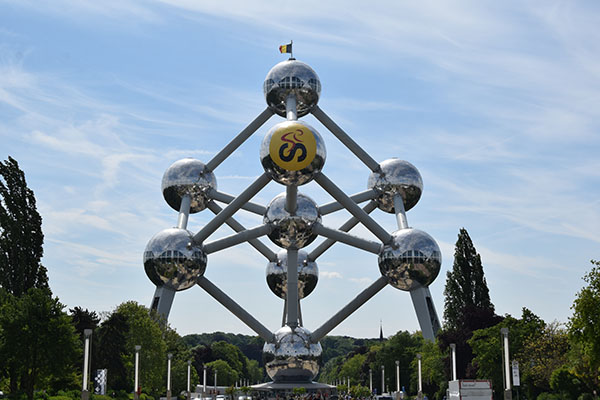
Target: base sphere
{"type": "Point", "coordinates": [291, 357]}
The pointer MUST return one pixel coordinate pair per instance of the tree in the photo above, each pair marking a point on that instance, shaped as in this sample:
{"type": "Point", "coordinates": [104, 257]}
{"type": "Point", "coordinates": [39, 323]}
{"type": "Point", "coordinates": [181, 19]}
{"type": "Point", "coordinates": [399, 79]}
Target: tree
{"type": "Point", "coordinates": [39, 343]}
{"type": "Point", "coordinates": [584, 325]}
{"type": "Point", "coordinates": [21, 237]}
{"type": "Point", "coordinates": [225, 374]}
{"type": "Point", "coordinates": [466, 286]}
{"type": "Point", "coordinates": [111, 350]}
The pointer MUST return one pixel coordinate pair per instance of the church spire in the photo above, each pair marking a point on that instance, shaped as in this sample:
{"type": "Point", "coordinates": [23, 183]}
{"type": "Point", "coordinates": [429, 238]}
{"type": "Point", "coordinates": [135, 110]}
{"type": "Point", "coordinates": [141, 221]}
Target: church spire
{"type": "Point", "coordinates": [380, 331]}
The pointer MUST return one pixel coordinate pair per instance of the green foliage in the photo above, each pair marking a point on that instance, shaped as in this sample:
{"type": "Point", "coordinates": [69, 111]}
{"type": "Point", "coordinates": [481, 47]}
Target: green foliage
{"type": "Point", "coordinates": [552, 396]}
{"type": "Point", "coordinates": [38, 340]}
{"type": "Point", "coordinates": [21, 237]}
{"type": "Point", "coordinates": [465, 284]}
{"type": "Point", "coordinates": [225, 374]}
{"type": "Point", "coordinates": [564, 382]}
{"type": "Point", "coordinates": [487, 345]}
{"type": "Point", "coordinates": [359, 391]}
{"type": "Point", "coordinates": [432, 369]}
{"type": "Point", "coordinates": [584, 326]}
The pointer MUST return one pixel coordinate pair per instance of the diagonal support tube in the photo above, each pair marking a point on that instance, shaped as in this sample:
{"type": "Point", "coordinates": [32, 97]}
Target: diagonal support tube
{"type": "Point", "coordinates": [227, 198]}
{"type": "Point", "coordinates": [239, 139]}
{"type": "Point", "coordinates": [355, 241]}
{"type": "Point", "coordinates": [350, 308]}
{"type": "Point", "coordinates": [236, 226]}
{"type": "Point", "coordinates": [400, 212]}
{"type": "Point", "coordinates": [328, 208]}
{"type": "Point", "coordinates": [346, 227]}
{"type": "Point", "coordinates": [231, 208]}
{"type": "Point", "coordinates": [353, 208]}
{"type": "Point", "coordinates": [345, 139]}
{"type": "Point", "coordinates": [235, 309]}
{"type": "Point", "coordinates": [236, 238]}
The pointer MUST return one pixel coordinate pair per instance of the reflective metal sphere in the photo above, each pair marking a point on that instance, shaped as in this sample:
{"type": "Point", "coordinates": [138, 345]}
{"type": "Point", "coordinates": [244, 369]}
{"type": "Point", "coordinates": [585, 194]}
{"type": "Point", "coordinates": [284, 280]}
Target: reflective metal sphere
{"type": "Point", "coordinates": [291, 357]}
{"type": "Point", "coordinates": [308, 275]}
{"type": "Point", "coordinates": [292, 153]}
{"type": "Point", "coordinates": [292, 231]}
{"type": "Point", "coordinates": [169, 261]}
{"type": "Point", "coordinates": [412, 260]}
{"type": "Point", "coordinates": [292, 76]}
{"type": "Point", "coordinates": [396, 177]}
{"type": "Point", "coordinates": [188, 176]}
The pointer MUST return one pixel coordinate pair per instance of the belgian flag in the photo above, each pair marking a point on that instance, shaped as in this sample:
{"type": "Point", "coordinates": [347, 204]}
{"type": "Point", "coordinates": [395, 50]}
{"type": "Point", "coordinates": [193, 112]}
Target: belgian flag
{"type": "Point", "coordinates": [286, 48]}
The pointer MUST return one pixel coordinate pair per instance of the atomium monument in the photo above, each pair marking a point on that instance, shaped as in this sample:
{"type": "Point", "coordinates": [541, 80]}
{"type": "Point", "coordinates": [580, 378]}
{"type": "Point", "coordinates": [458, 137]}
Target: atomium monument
{"type": "Point", "coordinates": [292, 154]}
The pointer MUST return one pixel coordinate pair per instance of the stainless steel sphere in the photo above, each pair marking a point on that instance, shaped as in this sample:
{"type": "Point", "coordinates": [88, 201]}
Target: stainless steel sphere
{"type": "Point", "coordinates": [413, 259]}
{"type": "Point", "coordinates": [170, 261]}
{"type": "Point", "coordinates": [292, 77]}
{"type": "Point", "coordinates": [396, 177]}
{"type": "Point", "coordinates": [188, 176]}
{"type": "Point", "coordinates": [292, 153]}
{"type": "Point", "coordinates": [308, 275]}
{"type": "Point", "coordinates": [291, 357]}
{"type": "Point", "coordinates": [292, 231]}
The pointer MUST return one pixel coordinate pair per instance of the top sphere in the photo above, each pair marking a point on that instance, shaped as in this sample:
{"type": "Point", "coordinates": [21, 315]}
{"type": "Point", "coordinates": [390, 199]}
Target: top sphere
{"type": "Point", "coordinates": [396, 177]}
{"type": "Point", "coordinates": [188, 177]}
{"type": "Point", "coordinates": [292, 77]}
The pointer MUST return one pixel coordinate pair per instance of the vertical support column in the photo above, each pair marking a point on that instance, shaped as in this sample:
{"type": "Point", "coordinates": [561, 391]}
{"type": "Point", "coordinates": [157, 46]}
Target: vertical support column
{"type": "Point", "coordinates": [292, 288]}
{"type": "Point", "coordinates": [291, 108]}
{"type": "Point", "coordinates": [426, 314]}
{"type": "Point", "coordinates": [371, 381]}
{"type": "Point", "coordinates": [162, 301]}
{"type": "Point", "coordinates": [204, 382]}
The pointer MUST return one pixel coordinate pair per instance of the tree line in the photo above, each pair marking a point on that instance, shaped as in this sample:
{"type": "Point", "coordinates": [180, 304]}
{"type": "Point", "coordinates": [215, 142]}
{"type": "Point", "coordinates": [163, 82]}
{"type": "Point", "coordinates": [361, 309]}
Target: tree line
{"type": "Point", "coordinates": [41, 342]}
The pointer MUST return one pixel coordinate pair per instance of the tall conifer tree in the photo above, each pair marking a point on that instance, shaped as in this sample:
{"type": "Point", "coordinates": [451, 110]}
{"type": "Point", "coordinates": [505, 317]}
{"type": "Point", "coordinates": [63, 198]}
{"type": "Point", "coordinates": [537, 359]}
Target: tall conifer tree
{"type": "Point", "coordinates": [466, 287]}
{"type": "Point", "coordinates": [21, 236]}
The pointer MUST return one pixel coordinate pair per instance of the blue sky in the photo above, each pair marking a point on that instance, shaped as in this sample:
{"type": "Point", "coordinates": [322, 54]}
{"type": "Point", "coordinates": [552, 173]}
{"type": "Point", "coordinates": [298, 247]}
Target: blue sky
{"type": "Point", "coordinates": [496, 103]}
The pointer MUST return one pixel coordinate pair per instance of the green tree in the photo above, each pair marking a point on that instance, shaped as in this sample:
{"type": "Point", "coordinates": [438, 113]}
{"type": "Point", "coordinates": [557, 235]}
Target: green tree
{"type": "Point", "coordinates": [465, 284]}
{"type": "Point", "coordinates": [39, 342]}
{"type": "Point", "coordinates": [584, 325]}
{"type": "Point", "coordinates": [21, 237]}
{"type": "Point", "coordinates": [353, 368]}
{"type": "Point", "coordinates": [487, 345]}
{"type": "Point", "coordinates": [225, 374]}
{"type": "Point", "coordinates": [111, 350]}
{"type": "Point", "coordinates": [432, 369]}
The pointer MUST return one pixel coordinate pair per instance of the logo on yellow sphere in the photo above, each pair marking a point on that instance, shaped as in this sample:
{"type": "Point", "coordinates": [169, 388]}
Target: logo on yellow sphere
{"type": "Point", "coordinates": [293, 147]}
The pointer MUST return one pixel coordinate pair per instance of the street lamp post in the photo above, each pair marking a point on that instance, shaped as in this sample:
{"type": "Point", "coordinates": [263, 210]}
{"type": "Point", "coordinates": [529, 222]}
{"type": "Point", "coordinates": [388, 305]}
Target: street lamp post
{"type": "Point", "coordinates": [85, 394]}
{"type": "Point", "coordinates": [397, 376]}
{"type": "Point", "coordinates": [371, 380]}
{"type": "Point", "coordinates": [506, 359]}
{"type": "Point", "coordinates": [204, 382]}
{"type": "Point", "coordinates": [169, 357]}
{"type": "Point", "coordinates": [453, 348]}
{"type": "Point", "coordinates": [382, 379]}
{"type": "Point", "coordinates": [215, 383]}
{"type": "Point", "coordinates": [136, 389]}
{"type": "Point", "coordinates": [420, 381]}
{"type": "Point", "coordinates": [189, 380]}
